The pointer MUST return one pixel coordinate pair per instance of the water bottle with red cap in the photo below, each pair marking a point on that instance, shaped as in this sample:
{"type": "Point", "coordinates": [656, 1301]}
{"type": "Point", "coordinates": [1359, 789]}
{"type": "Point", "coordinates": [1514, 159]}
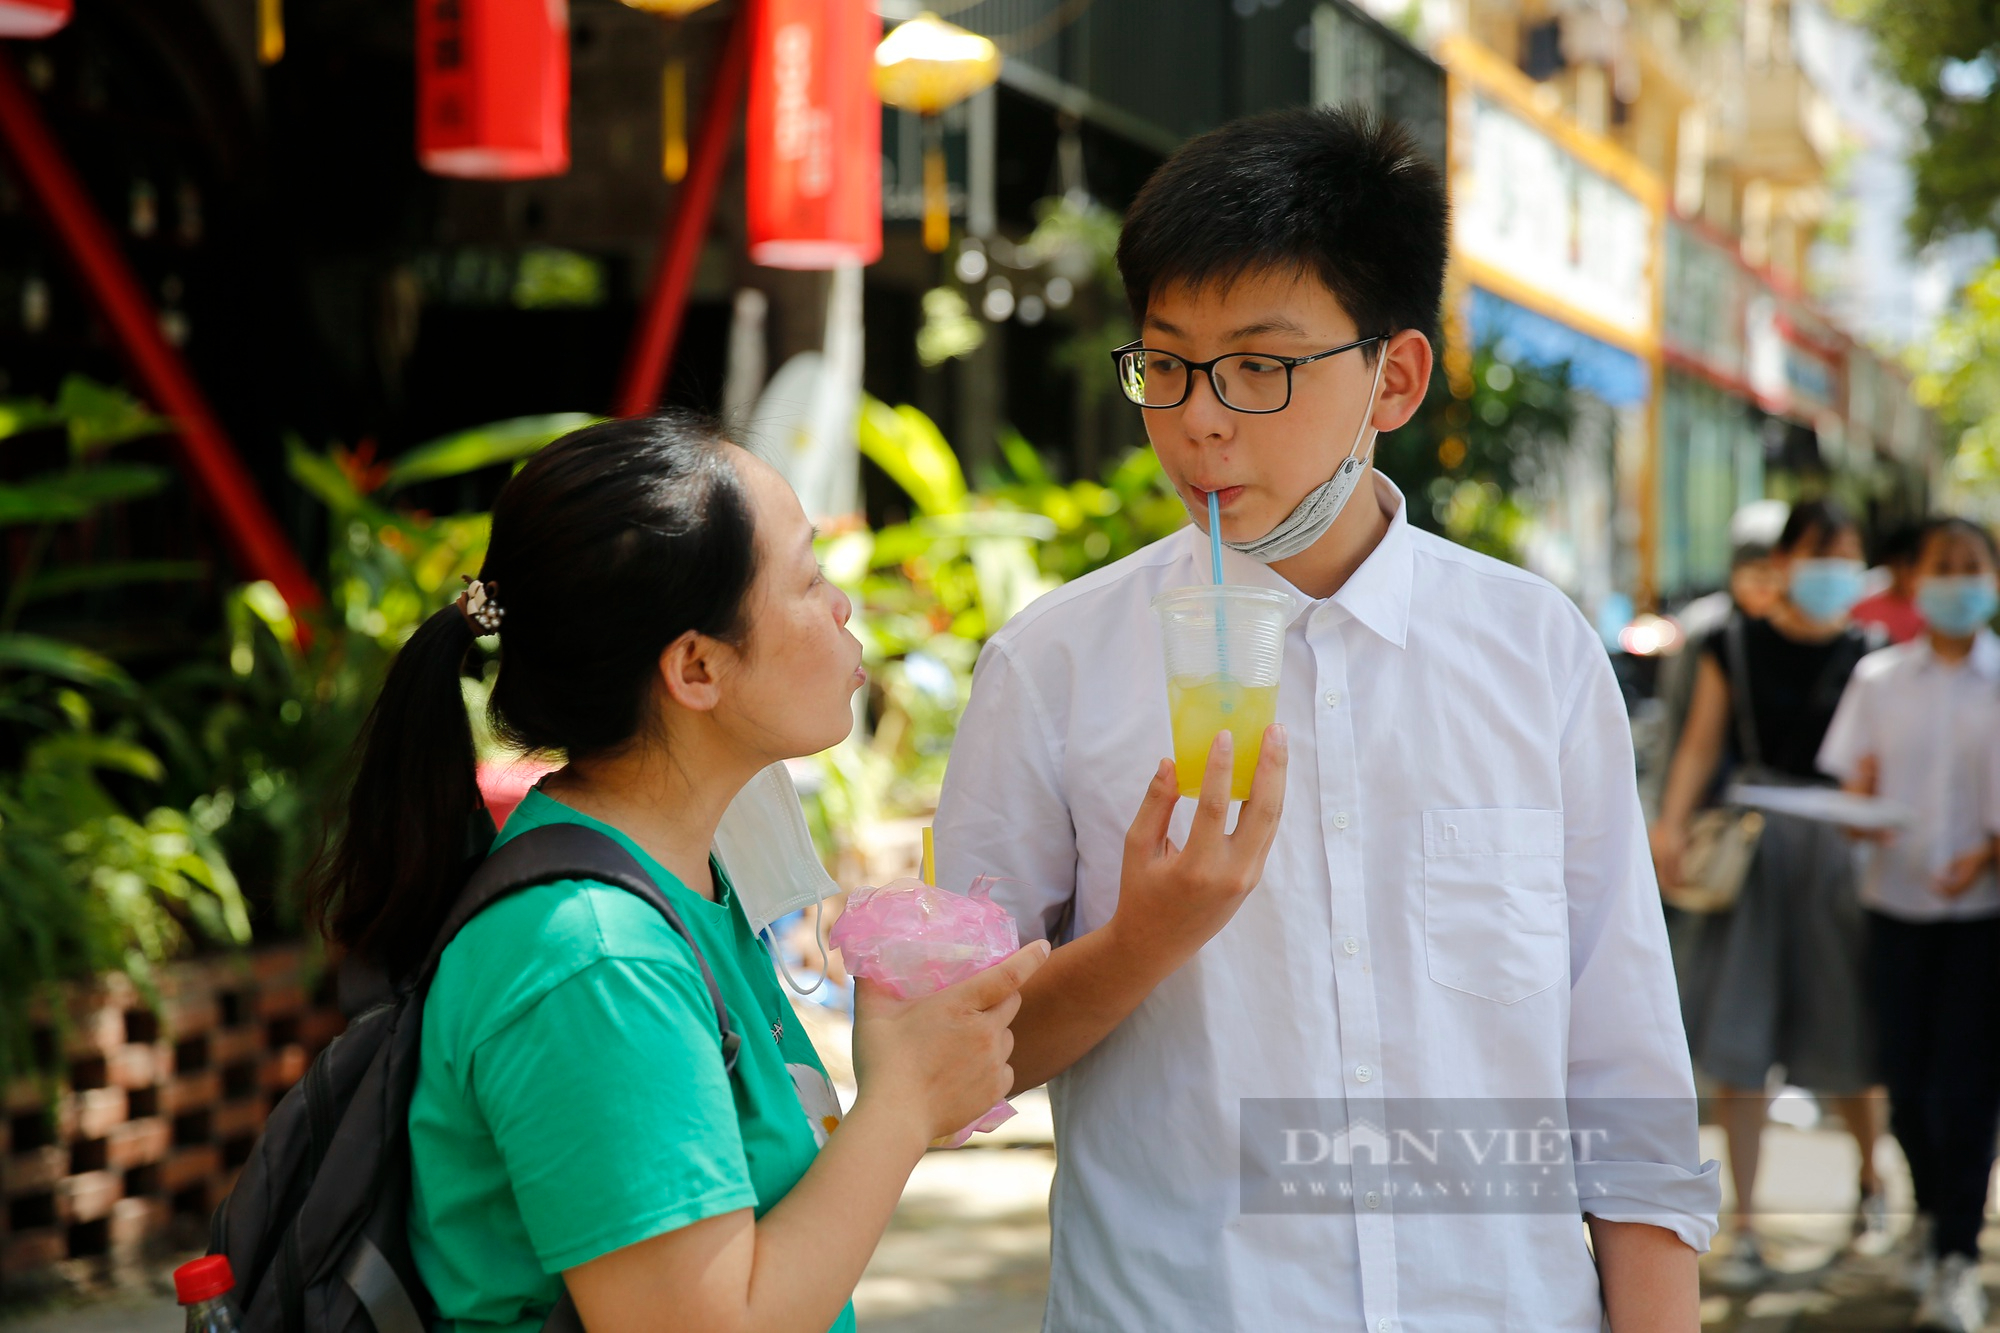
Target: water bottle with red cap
{"type": "Point", "coordinates": [202, 1286]}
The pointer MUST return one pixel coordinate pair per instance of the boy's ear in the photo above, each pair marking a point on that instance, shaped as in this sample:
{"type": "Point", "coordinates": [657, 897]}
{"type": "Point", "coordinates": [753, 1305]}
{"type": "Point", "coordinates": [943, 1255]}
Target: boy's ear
{"type": "Point", "coordinates": [1406, 375]}
{"type": "Point", "coordinates": [689, 671]}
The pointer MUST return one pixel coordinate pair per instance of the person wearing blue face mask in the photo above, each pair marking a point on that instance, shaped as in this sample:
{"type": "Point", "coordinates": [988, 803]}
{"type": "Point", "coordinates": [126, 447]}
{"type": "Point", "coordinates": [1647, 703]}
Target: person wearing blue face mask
{"type": "Point", "coordinates": [1777, 981]}
{"type": "Point", "coordinates": [1919, 725]}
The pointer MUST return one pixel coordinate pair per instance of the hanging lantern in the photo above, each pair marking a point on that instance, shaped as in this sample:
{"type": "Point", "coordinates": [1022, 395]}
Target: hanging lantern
{"type": "Point", "coordinates": [673, 91]}
{"type": "Point", "coordinates": [813, 137]}
{"type": "Point", "coordinates": [924, 66]}
{"type": "Point", "coordinates": [270, 31]}
{"type": "Point", "coordinates": [493, 88]}
{"type": "Point", "coordinates": [674, 121]}
{"type": "Point", "coordinates": [33, 18]}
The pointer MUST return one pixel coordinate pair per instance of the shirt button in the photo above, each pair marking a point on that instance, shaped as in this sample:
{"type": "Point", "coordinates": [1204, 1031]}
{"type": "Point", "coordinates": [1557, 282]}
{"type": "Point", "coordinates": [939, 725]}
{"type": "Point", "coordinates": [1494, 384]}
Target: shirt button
{"type": "Point", "coordinates": [1333, 698]}
{"type": "Point", "coordinates": [1372, 1199]}
{"type": "Point", "coordinates": [1351, 945]}
{"type": "Point", "coordinates": [1363, 1073]}
{"type": "Point", "coordinates": [1340, 820]}
{"type": "Point", "coordinates": [1384, 1325]}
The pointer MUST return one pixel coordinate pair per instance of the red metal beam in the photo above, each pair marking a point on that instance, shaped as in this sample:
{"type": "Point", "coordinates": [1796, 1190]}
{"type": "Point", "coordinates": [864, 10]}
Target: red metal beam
{"type": "Point", "coordinates": [652, 348]}
{"type": "Point", "coordinates": [256, 543]}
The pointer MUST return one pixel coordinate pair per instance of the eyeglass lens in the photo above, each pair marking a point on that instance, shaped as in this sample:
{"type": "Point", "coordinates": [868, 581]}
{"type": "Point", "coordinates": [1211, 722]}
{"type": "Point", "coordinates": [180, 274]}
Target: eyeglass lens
{"type": "Point", "coordinates": [1246, 382]}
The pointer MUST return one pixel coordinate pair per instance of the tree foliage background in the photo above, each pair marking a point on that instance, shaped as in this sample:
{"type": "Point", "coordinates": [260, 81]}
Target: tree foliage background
{"type": "Point", "coordinates": [1947, 53]}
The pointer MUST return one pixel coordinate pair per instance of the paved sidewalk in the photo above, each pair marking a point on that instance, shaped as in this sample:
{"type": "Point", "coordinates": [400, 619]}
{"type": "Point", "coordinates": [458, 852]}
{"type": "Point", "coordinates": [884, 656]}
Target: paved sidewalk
{"type": "Point", "coordinates": [968, 1250]}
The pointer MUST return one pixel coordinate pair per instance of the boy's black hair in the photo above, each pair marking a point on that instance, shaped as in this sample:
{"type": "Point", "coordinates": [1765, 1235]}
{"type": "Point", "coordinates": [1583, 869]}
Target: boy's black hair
{"type": "Point", "coordinates": [1812, 525]}
{"type": "Point", "coordinates": [1902, 544]}
{"type": "Point", "coordinates": [1956, 526]}
{"type": "Point", "coordinates": [1333, 191]}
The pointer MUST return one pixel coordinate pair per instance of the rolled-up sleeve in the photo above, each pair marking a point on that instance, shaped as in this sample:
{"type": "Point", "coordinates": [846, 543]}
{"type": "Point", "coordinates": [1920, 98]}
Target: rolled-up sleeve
{"type": "Point", "coordinates": [1631, 1083]}
{"type": "Point", "coordinates": [1002, 811]}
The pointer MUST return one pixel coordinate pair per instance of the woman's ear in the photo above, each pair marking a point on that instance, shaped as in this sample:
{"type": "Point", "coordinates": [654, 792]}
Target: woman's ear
{"type": "Point", "coordinates": [690, 671]}
{"type": "Point", "coordinates": [1405, 379]}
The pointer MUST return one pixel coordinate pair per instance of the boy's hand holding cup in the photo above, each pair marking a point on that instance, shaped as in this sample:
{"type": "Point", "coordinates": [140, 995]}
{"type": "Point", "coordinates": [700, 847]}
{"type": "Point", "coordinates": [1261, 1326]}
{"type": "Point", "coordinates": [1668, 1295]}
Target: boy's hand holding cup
{"type": "Point", "coordinates": [1172, 900]}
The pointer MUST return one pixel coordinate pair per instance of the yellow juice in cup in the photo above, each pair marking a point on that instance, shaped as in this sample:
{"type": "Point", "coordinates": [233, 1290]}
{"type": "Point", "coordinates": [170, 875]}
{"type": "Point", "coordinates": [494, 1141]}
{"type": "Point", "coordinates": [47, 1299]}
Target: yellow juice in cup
{"type": "Point", "coordinates": [1202, 706]}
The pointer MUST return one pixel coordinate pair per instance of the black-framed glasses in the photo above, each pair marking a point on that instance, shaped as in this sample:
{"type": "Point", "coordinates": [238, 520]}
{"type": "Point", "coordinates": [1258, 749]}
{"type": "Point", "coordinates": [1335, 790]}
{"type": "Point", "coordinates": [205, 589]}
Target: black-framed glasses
{"type": "Point", "coordinates": [1243, 381]}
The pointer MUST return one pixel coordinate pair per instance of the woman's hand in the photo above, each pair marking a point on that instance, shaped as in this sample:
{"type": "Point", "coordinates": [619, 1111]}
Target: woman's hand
{"type": "Point", "coordinates": [942, 1056]}
{"type": "Point", "coordinates": [1669, 840]}
{"type": "Point", "coordinates": [1172, 900]}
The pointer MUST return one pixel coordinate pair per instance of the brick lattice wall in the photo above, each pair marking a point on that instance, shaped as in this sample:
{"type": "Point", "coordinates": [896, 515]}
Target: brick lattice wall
{"type": "Point", "coordinates": [154, 1112]}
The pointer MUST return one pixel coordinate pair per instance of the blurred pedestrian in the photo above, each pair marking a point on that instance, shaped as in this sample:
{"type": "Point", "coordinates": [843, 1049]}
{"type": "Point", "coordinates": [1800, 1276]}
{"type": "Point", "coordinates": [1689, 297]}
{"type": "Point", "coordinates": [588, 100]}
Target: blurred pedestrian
{"type": "Point", "coordinates": [1777, 980]}
{"type": "Point", "coordinates": [1895, 607]}
{"type": "Point", "coordinates": [1756, 586]}
{"type": "Point", "coordinates": [1920, 726]}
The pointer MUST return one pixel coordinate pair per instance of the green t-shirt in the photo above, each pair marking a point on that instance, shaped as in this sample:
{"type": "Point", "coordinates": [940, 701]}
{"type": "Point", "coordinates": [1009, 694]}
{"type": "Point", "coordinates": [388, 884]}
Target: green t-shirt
{"type": "Point", "coordinates": [572, 1098]}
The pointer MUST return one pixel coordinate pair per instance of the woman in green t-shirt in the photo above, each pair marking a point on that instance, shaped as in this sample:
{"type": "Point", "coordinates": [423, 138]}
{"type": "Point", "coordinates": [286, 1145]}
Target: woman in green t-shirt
{"type": "Point", "coordinates": [662, 623]}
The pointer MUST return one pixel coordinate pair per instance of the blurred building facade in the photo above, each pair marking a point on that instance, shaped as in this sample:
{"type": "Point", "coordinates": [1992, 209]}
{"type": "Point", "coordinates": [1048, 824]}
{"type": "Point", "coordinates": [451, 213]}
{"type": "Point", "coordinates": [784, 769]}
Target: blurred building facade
{"type": "Point", "coordinates": [1685, 161]}
{"type": "Point", "coordinates": [1637, 183]}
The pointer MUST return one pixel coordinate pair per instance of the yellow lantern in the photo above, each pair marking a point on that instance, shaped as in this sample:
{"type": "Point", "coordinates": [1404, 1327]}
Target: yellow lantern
{"type": "Point", "coordinates": [270, 31]}
{"type": "Point", "coordinates": [673, 91]}
{"type": "Point", "coordinates": [924, 66]}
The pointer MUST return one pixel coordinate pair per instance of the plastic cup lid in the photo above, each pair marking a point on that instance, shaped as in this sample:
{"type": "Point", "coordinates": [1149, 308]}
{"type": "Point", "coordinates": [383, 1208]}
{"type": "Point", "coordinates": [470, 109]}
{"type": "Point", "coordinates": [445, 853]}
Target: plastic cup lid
{"type": "Point", "coordinates": [203, 1279]}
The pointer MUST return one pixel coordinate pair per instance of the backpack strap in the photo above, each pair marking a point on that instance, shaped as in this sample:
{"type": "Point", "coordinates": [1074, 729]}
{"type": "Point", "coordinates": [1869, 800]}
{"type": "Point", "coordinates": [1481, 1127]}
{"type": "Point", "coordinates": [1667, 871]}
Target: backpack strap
{"type": "Point", "coordinates": [556, 852]}
{"type": "Point", "coordinates": [1739, 691]}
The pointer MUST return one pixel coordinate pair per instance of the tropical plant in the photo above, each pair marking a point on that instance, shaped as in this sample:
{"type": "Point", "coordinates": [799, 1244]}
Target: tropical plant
{"type": "Point", "coordinates": [130, 809]}
{"type": "Point", "coordinates": [282, 713]}
{"type": "Point", "coordinates": [1481, 446]}
{"type": "Point", "coordinates": [96, 872]}
{"type": "Point", "coordinates": [930, 591]}
{"type": "Point", "coordinates": [1959, 378]}
{"type": "Point", "coordinates": [1945, 52]}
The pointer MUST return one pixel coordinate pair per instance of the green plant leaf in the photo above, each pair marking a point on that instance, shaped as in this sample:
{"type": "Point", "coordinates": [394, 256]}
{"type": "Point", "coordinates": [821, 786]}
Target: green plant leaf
{"type": "Point", "coordinates": [101, 415]}
{"type": "Point", "coordinates": [907, 445]}
{"type": "Point", "coordinates": [114, 573]}
{"type": "Point", "coordinates": [67, 661]}
{"type": "Point", "coordinates": [81, 751]}
{"type": "Point", "coordinates": [58, 497]}
{"type": "Point", "coordinates": [321, 476]}
{"type": "Point", "coordinates": [1022, 458]}
{"type": "Point", "coordinates": [25, 414]}
{"type": "Point", "coordinates": [482, 446]}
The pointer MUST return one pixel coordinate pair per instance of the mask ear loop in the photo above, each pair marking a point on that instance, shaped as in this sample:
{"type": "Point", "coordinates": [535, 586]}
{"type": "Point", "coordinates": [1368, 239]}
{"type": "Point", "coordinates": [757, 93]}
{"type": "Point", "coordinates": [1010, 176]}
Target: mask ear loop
{"type": "Point", "coordinates": [825, 964]}
{"type": "Point", "coordinates": [1368, 413]}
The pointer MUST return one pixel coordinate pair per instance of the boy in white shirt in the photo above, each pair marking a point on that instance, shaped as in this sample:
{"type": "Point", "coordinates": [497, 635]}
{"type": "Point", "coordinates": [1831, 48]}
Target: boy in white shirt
{"type": "Point", "coordinates": [1919, 725]}
{"type": "Point", "coordinates": [1459, 903]}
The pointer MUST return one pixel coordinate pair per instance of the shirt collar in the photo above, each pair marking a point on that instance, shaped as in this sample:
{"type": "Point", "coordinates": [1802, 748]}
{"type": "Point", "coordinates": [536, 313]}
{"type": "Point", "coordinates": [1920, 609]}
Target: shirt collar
{"type": "Point", "coordinates": [1377, 594]}
{"type": "Point", "coordinates": [1984, 658]}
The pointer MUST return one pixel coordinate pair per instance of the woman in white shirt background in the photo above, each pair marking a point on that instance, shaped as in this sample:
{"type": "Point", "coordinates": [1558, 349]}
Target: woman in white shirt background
{"type": "Point", "coordinates": [1779, 981]}
{"type": "Point", "coordinates": [1919, 726]}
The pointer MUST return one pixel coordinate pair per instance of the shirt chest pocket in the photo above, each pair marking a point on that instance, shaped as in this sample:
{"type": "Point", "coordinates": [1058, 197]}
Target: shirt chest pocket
{"type": "Point", "coordinates": [1495, 923]}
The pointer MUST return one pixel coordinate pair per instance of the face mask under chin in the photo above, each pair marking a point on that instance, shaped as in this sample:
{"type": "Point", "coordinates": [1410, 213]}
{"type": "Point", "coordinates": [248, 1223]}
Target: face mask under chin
{"type": "Point", "coordinates": [1311, 518]}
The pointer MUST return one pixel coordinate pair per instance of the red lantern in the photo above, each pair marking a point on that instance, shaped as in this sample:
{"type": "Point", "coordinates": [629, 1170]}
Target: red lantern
{"type": "Point", "coordinates": [493, 88]}
{"type": "Point", "coordinates": [814, 135]}
{"type": "Point", "coordinates": [32, 18]}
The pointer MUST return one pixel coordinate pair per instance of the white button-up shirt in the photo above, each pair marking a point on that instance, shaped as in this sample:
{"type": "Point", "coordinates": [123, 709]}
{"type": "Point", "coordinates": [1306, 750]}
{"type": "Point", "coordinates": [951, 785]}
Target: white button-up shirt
{"type": "Point", "coordinates": [1459, 904]}
{"type": "Point", "coordinates": [1933, 729]}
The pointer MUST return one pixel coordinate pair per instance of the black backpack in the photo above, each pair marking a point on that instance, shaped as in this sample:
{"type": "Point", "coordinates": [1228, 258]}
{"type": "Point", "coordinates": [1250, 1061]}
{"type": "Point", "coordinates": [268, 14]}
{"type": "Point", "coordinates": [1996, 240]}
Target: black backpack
{"type": "Point", "coordinates": [315, 1228]}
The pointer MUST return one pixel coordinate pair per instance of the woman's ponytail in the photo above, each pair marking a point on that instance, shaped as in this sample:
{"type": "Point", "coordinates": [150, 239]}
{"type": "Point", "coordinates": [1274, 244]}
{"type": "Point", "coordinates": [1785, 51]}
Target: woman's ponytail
{"type": "Point", "coordinates": [388, 884]}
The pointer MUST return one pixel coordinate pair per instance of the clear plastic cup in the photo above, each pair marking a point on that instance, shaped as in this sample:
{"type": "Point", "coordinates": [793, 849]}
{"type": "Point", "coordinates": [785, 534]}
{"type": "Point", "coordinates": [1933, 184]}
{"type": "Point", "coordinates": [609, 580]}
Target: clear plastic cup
{"type": "Point", "coordinates": [1224, 647]}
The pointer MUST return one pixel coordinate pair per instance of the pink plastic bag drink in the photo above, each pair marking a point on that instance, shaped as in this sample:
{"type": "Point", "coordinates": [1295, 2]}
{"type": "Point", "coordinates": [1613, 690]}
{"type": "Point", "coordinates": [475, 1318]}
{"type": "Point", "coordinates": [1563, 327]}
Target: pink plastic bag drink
{"type": "Point", "coordinates": [912, 938]}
